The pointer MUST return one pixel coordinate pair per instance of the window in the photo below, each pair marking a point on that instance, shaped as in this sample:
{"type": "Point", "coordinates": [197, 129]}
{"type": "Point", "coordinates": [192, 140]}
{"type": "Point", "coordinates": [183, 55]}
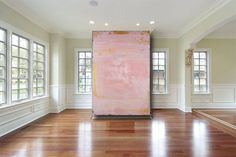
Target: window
{"type": "Point", "coordinates": [19, 68]}
{"type": "Point", "coordinates": [159, 68]}
{"type": "Point", "coordinates": [3, 56]}
{"type": "Point", "coordinates": [38, 69]}
{"type": "Point", "coordinates": [200, 71]}
{"type": "Point", "coordinates": [84, 71]}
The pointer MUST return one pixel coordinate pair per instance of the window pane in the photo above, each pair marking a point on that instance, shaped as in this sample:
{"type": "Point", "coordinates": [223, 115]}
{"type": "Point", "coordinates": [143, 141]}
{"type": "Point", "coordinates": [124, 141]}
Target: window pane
{"type": "Point", "coordinates": [88, 55]}
{"type": "Point", "coordinates": [196, 55]}
{"type": "Point", "coordinates": [2, 97]}
{"type": "Point", "coordinates": [159, 72]}
{"type": "Point", "coordinates": [155, 67]}
{"type": "Point", "coordinates": [84, 71]}
{"type": "Point", "coordinates": [162, 55]}
{"type": "Point", "coordinates": [40, 49]}
{"type": "Point", "coordinates": [154, 55]}
{"type": "Point", "coordinates": [14, 62]}
{"type": "Point", "coordinates": [2, 72]}
{"type": "Point", "coordinates": [2, 85]}
{"type": "Point", "coordinates": [200, 72]}
{"type": "Point", "coordinates": [23, 83]}
{"type": "Point", "coordinates": [23, 73]}
{"type": "Point", "coordinates": [14, 94]}
{"type": "Point", "coordinates": [23, 53]}
{"type": "Point", "coordinates": [14, 72]}
{"type": "Point", "coordinates": [40, 83]}
{"type": "Point", "coordinates": [81, 55]}
{"type": "Point", "coordinates": [40, 66]}
{"type": "Point", "coordinates": [155, 61]}
{"type": "Point", "coordinates": [14, 40]}
{"type": "Point", "coordinates": [35, 56]}
{"type": "Point", "coordinates": [40, 57]}
{"type": "Point", "coordinates": [14, 84]}
{"type": "Point", "coordinates": [34, 47]}
{"type": "Point", "coordinates": [88, 62]}
{"type": "Point", "coordinates": [38, 70]}
{"type": "Point", "coordinates": [202, 62]}
{"type": "Point", "coordinates": [23, 63]}
{"type": "Point", "coordinates": [2, 48]}
{"type": "Point", "coordinates": [2, 60]}
{"type": "Point", "coordinates": [23, 43]}
{"type": "Point", "coordinates": [34, 91]}
{"type": "Point", "coordinates": [40, 74]}
{"type": "Point", "coordinates": [2, 35]}
{"type": "Point", "coordinates": [82, 62]}
{"type": "Point", "coordinates": [88, 82]}
{"type": "Point", "coordinates": [196, 61]}
{"type": "Point", "coordinates": [14, 51]}
{"type": "Point", "coordinates": [40, 91]}
{"type": "Point", "coordinates": [203, 55]}
{"type": "Point", "coordinates": [23, 94]}
{"type": "Point", "coordinates": [34, 82]}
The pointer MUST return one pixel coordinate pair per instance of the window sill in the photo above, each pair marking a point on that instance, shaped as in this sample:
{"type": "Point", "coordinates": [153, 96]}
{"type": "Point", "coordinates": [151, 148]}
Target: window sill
{"type": "Point", "coordinates": [201, 93]}
{"type": "Point", "coordinates": [22, 102]}
{"type": "Point", "coordinates": [160, 93]}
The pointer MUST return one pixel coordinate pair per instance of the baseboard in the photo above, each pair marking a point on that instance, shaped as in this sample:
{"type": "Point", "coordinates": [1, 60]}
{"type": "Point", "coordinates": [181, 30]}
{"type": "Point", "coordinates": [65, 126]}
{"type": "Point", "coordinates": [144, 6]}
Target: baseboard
{"type": "Point", "coordinates": [220, 124]}
{"type": "Point", "coordinates": [13, 131]}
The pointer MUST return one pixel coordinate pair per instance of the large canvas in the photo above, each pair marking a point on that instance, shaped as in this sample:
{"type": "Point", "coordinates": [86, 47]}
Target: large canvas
{"type": "Point", "coordinates": [121, 73]}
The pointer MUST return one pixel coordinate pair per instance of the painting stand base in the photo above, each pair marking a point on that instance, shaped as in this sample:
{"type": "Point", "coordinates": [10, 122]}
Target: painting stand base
{"type": "Point", "coordinates": [123, 117]}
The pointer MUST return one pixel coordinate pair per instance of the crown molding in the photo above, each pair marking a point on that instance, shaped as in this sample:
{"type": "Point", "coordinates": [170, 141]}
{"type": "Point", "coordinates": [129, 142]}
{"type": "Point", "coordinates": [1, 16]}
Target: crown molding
{"type": "Point", "coordinates": [221, 37]}
{"type": "Point", "coordinates": [203, 16]}
{"type": "Point", "coordinates": [30, 18]}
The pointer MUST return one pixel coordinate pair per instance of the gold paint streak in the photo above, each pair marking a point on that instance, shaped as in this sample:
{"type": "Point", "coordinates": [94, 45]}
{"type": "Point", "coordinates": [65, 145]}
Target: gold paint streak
{"type": "Point", "coordinates": [120, 32]}
{"type": "Point", "coordinates": [94, 80]}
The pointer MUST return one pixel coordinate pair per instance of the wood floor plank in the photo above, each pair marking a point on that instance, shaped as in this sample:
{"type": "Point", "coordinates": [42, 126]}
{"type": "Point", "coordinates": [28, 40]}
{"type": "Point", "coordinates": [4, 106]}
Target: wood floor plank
{"type": "Point", "coordinates": [73, 133]}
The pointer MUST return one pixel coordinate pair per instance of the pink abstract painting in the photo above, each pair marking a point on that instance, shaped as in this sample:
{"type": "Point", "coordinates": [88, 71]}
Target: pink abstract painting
{"type": "Point", "coordinates": [121, 73]}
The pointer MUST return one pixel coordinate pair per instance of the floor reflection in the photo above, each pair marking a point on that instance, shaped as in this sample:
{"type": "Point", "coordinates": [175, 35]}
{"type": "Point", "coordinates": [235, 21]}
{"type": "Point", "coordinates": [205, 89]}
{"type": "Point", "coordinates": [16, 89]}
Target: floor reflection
{"type": "Point", "coordinates": [158, 139]}
{"type": "Point", "coordinates": [85, 140]}
{"type": "Point", "coordinates": [200, 139]}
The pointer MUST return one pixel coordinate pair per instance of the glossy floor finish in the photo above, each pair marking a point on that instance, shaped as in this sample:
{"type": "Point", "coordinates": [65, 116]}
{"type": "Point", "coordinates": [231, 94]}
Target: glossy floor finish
{"type": "Point", "coordinates": [227, 115]}
{"type": "Point", "coordinates": [72, 133]}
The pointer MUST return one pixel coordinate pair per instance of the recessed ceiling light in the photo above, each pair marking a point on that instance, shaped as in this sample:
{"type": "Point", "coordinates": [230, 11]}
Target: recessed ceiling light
{"type": "Point", "coordinates": [106, 24]}
{"type": "Point", "coordinates": [91, 22]}
{"type": "Point", "coordinates": [93, 3]}
{"type": "Point", "coordinates": [137, 24]}
{"type": "Point", "coordinates": [152, 22]}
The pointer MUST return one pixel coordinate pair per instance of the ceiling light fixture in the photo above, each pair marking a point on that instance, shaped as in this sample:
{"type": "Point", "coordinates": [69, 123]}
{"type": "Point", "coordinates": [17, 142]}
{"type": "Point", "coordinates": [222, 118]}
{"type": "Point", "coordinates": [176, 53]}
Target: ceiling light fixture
{"type": "Point", "coordinates": [91, 22]}
{"type": "Point", "coordinates": [106, 24]}
{"type": "Point", "coordinates": [152, 22]}
{"type": "Point", "coordinates": [93, 3]}
{"type": "Point", "coordinates": [137, 24]}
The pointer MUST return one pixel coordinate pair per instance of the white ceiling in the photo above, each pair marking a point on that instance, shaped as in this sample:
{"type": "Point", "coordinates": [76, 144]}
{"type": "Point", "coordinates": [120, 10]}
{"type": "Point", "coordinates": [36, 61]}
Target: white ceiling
{"type": "Point", "coordinates": [226, 31]}
{"type": "Point", "coordinates": [71, 17]}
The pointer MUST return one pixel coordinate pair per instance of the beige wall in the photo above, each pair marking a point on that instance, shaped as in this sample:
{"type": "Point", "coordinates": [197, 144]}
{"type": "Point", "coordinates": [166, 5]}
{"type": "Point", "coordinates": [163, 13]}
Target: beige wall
{"type": "Point", "coordinates": [223, 59]}
{"type": "Point", "coordinates": [71, 44]}
{"type": "Point", "coordinates": [13, 18]}
{"type": "Point", "coordinates": [57, 60]}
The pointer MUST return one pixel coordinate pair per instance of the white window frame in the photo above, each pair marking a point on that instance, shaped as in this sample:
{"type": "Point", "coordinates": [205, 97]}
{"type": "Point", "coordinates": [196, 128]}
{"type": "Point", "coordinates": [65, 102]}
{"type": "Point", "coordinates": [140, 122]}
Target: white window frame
{"type": "Point", "coordinates": [18, 67]}
{"type": "Point", "coordinates": [44, 70]}
{"type": "Point", "coordinates": [166, 50]}
{"type": "Point", "coordinates": [208, 51]}
{"type": "Point", "coordinates": [76, 74]}
{"type": "Point", "coordinates": [6, 65]}
{"type": "Point", "coordinates": [13, 30]}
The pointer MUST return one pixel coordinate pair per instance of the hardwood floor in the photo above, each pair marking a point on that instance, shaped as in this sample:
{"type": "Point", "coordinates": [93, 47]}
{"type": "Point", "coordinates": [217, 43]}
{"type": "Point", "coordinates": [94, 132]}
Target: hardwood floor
{"type": "Point", "coordinates": [72, 133]}
{"type": "Point", "coordinates": [227, 115]}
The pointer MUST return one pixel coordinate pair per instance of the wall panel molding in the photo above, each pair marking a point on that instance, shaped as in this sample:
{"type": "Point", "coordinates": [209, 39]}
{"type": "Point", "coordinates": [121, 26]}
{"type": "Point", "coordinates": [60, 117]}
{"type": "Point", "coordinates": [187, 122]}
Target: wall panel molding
{"type": "Point", "coordinates": [16, 116]}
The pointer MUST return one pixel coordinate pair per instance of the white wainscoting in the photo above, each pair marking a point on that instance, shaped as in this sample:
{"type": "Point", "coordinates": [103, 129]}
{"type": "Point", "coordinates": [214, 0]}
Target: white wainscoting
{"type": "Point", "coordinates": [16, 116]}
{"type": "Point", "coordinates": [173, 99]}
{"type": "Point", "coordinates": [221, 96]}
{"type": "Point", "coordinates": [58, 97]}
